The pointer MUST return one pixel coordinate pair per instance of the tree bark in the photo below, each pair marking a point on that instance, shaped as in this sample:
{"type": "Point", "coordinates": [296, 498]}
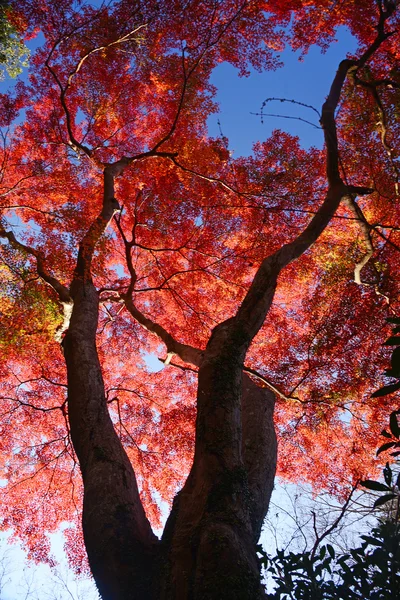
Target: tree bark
{"type": "Point", "coordinates": [209, 542]}
{"type": "Point", "coordinates": [119, 541]}
{"type": "Point", "coordinates": [210, 537]}
{"type": "Point", "coordinates": [208, 549]}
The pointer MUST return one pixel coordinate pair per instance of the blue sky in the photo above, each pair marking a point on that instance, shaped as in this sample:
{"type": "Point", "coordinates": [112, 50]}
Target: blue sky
{"type": "Point", "coordinates": [308, 82]}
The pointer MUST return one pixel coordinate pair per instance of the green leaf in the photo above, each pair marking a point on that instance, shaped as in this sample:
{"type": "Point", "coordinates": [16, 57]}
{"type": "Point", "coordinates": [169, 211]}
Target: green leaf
{"type": "Point", "coordinates": [386, 434]}
{"type": "Point", "coordinates": [396, 330]}
{"type": "Point", "coordinates": [13, 53]}
{"type": "Point", "coordinates": [394, 340]}
{"type": "Point", "coordinates": [327, 565]}
{"type": "Point", "coordinates": [331, 550]}
{"type": "Point", "coordinates": [387, 473]}
{"type": "Point", "coordinates": [387, 389]}
{"type": "Point", "coordinates": [385, 447]}
{"type": "Point", "coordinates": [374, 485]}
{"type": "Point", "coordinates": [371, 540]}
{"type": "Point", "coordinates": [395, 360]}
{"type": "Point", "coordinates": [384, 499]}
{"type": "Point", "coordinates": [395, 320]}
{"type": "Point", "coordinates": [394, 424]}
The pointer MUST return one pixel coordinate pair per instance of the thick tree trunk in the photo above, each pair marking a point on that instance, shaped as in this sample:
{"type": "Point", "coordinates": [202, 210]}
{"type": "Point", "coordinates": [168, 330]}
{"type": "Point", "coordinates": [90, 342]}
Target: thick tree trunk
{"type": "Point", "coordinates": [210, 537]}
{"type": "Point", "coordinates": [259, 449]}
{"type": "Point", "coordinates": [119, 541]}
{"type": "Point", "coordinates": [208, 549]}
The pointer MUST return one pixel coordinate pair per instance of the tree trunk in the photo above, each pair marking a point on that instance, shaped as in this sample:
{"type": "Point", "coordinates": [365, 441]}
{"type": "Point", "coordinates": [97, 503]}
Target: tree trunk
{"type": "Point", "coordinates": [209, 545]}
{"type": "Point", "coordinates": [118, 538]}
{"type": "Point", "coordinates": [210, 537]}
{"type": "Point", "coordinates": [208, 548]}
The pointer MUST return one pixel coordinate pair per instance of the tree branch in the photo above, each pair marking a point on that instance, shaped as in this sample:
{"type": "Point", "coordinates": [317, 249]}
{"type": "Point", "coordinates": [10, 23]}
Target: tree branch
{"type": "Point", "coordinates": [61, 291]}
{"type": "Point", "coordinates": [251, 314]}
{"type": "Point", "coordinates": [372, 86]}
{"type": "Point", "coordinates": [97, 228]}
{"type": "Point", "coordinates": [336, 522]}
{"type": "Point", "coordinates": [365, 229]}
{"type": "Point", "coordinates": [185, 352]}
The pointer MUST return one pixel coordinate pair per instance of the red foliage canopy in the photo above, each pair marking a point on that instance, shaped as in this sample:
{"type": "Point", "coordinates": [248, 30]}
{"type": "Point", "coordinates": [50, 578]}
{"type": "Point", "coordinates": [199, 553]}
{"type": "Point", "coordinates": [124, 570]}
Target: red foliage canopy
{"type": "Point", "coordinates": [131, 83]}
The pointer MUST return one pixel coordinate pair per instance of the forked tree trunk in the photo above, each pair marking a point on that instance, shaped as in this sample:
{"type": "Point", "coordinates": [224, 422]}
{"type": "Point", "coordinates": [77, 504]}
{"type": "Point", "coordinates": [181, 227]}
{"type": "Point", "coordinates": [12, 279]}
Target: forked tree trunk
{"type": "Point", "coordinates": [209, 546]}
{"type": "Point", "coordinates": [208, 550]}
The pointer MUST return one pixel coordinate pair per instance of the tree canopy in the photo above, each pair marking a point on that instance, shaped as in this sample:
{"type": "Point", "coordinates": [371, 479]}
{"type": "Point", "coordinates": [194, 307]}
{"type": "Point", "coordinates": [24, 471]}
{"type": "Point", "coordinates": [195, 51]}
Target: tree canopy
{"type": "Point", "coordinates": [13, 52]}
{"type": "Point", "coordinates": [111, 187]}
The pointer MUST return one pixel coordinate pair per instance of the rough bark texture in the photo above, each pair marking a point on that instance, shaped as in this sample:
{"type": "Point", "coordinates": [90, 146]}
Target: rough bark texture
{"type": "Point", "coordinates": [211, 534]}
{"type": "Point", "coordinates": [208, 549]}
{"type": "Point", "coordinates": [118, 537]}
{"type": "Point", "coordinates": [259, 449]}
{"type": "Point", "coordinates": [209, 541]}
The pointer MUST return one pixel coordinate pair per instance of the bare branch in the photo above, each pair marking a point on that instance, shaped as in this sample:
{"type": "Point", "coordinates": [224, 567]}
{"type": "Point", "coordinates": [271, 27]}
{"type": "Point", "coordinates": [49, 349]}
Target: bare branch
{"type": "Point", "coordinates": [270, 385]}
{"type": "Point", "coordinates": [372, 86]}
{"type": "Point", "coordinates": [185, 352]}
{"type": "Point", "coordinates": [365, 229]}
{"type": "Point", "coordinates": [99, 225]}
{"type": "Point", "coordinates": [61, 290]}
{"type": "Point", "coordinates": [321, 537]}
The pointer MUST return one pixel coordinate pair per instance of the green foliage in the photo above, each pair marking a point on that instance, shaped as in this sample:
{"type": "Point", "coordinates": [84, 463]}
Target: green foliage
{"type": "Point", "coordinates": [394, 429]}
{"type": "Point", "coordinates": [301, 575]}
{"type": "Point", "coordinates": [37, 313]}
{"type": "Point", "coordinates": [394, 371]}
{"type": "Point", "coordinates": [390, 487]}
{"type": "Point", "coordinates": [373, 570]}
{"type": "Point", "coordinates": [370, 572]}
{"type": "Point", "coordinates": [13, 53]}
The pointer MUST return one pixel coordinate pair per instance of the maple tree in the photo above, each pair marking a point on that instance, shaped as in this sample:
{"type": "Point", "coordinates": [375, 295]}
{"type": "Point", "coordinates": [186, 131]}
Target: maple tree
{"type": "Point", "coordinates": [126, 231]}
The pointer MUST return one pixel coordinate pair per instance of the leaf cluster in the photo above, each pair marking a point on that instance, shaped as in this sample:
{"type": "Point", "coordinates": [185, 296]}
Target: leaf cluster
{"type": "Point", "coordinates": [13, 52]}
{"type": "Point", "coordinates": [372, 570]}
{"type": "Point", "coordinates": [394, 371]}
{"type": "Point", "coordinates": [394, 430]}
{"type": "Point", "coordinates": [390, 487]}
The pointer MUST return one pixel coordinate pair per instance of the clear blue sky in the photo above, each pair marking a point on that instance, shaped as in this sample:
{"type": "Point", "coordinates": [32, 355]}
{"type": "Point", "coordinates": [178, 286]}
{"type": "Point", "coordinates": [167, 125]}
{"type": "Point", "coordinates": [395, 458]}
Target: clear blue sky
{"type": "Point", "coordinates": [308, 82]}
